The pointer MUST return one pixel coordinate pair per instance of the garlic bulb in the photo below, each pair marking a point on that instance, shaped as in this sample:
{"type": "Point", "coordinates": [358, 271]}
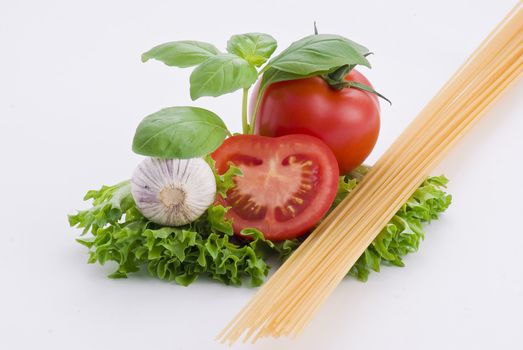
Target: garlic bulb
{"type": "Point", "coordinates": [173, 192]}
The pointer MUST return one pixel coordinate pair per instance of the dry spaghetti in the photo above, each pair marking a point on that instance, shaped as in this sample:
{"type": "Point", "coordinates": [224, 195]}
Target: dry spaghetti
{"type": "Point", "coordinates": [288, 301]}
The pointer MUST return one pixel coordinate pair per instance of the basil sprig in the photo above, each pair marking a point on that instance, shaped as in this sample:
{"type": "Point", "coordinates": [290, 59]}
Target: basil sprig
{"type": "Point", "coordinates": [182, 132]}
{"type": "Point", "coordinates": [219, 73]}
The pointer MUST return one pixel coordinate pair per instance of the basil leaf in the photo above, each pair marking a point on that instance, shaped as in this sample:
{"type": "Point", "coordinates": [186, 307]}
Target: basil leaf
{"type": "Point", "coordinates": [181, 53]}
{"type": "Point", "coordinates": [220, 75]}
{"type": "Point", "coordinates": [273, 75]}
{"type": "Point", "coordinates": [320, 52]}
{"type": "Point", "coordinates": [255, 48]}
{"type": "Point", "coordinates": [179, 132]}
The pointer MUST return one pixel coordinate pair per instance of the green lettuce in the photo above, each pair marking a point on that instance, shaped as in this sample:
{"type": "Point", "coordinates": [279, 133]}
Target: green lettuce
{"type": "Point", "coordinates": [404, 233]}
{"type": "Point", "coordinates": [119, 233]}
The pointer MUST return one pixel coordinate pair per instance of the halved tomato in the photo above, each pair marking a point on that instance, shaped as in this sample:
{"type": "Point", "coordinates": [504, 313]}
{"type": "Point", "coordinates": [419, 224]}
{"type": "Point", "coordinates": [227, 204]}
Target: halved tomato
{"type": "Point", "coordinates": [288, 183]}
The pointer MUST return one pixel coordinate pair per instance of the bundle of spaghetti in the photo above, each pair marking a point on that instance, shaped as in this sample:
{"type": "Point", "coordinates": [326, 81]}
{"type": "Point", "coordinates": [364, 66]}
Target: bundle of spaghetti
{"type": "Point", "coordinates": [291, 297]}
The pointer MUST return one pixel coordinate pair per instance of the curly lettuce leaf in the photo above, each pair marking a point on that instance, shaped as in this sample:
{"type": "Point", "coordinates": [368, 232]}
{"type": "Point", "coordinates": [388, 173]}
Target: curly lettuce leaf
{"type": "Point", "coordinates": [109, 203]}
{"type": "Point", "coordinates": [404, 233]}
{"type": "Point", "coordinates": [208, 247]}
{"type": "Point", "coordinates": [121, 234]}
{"type": "Point", "coordinates": [226, 181]}
{"type": "Point", "coordinates": [401, 236]}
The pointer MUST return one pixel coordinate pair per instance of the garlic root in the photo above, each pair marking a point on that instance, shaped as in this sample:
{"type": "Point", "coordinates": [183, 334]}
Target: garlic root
{"type": "Point", "coordinates": [173, 192]}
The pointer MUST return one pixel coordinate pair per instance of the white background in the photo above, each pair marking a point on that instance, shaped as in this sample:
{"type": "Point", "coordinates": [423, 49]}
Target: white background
{"type": "Point", "coordinates": [72, 90]}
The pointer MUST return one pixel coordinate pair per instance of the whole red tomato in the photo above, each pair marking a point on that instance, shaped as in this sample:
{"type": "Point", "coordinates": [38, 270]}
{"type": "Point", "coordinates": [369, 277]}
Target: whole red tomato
{"type": "Point", "coordinates": [347, 120]}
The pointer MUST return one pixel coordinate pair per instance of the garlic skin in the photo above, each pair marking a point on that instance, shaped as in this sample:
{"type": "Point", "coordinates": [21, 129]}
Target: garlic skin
{"type": "Point", "coordinates": [173, 192]}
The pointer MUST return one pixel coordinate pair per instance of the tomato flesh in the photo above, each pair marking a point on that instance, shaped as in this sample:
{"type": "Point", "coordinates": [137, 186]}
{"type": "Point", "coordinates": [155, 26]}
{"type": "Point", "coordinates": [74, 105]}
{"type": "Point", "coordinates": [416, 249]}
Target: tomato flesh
{"type": "Point", "coordinates": [288, 183]}
{"type": "Point", "coordinates": [347, 120]}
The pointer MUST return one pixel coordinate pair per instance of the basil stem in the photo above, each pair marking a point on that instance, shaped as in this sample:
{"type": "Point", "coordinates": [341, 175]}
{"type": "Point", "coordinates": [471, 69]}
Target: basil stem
{"type": "Point", "coordinates": [245, 122]}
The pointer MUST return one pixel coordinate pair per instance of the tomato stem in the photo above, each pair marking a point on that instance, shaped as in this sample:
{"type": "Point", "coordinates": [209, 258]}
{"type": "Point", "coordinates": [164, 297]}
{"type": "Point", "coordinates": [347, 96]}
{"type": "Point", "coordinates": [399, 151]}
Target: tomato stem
{"type": "Point", "coordinates": [245, 123]}
{"type": "Point", "coordinates": [341, 73]}
{"type": "Point", "coordinates": [336, 80]}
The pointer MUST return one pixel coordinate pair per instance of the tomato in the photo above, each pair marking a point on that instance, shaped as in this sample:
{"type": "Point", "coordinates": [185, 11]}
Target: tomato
{"type": "Point", "coordinates": [347, 120]}
{"type": "Point", "coordinates": [288, 183]}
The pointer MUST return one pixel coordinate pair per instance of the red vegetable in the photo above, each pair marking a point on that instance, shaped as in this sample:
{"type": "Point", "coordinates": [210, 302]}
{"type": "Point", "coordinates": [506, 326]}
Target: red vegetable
{"type": "Point", "coordinates": [347, 120]}
{"type": "Point", "coordinates": [288, 183]}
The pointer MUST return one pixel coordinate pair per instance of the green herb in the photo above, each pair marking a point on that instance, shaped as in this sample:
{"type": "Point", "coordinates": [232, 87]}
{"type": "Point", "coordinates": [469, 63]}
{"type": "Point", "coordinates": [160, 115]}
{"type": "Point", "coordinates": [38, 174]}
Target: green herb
{"type": "Point", "coordinates": [179, 132]}
{"type": "Point", "coordinates": [220, 75]}
{"type": "Point", "coordinates": [255, 48]}
{"type": "Point", "coordinates": [308, 55]}
{"type": "Point", "coordinates": [207, 246]}
{"type": "Point", "coordinates": [181, 53]}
